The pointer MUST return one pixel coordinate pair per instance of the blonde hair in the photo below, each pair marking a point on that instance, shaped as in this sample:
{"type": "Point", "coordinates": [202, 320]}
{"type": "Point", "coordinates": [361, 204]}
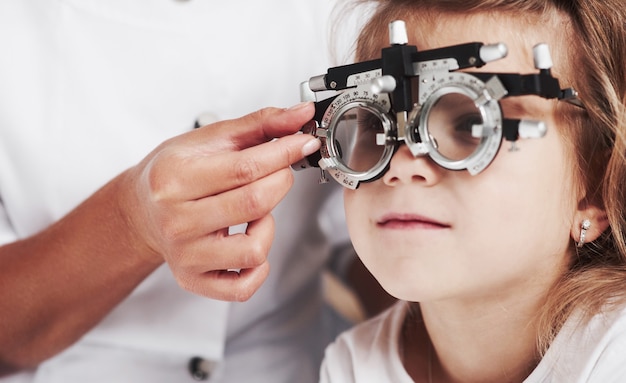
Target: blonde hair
{"type": "Point", "coordinates": [597, 134]}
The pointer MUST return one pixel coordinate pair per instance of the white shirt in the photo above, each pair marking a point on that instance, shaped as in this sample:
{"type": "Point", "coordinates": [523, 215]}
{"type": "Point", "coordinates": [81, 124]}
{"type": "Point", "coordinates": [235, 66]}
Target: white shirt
{"type": "Point", "coordinates": [87, 89]}
{"type": "Point", "coordinates": [369, 352]}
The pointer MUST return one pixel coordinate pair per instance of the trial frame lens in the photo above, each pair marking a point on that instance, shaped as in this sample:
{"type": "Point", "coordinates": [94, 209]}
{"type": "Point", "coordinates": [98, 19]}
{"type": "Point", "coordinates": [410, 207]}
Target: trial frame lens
{"type": "Point", "coordinates": [361, 139]}
{"type": "Point", "coordinates": [458, 128]}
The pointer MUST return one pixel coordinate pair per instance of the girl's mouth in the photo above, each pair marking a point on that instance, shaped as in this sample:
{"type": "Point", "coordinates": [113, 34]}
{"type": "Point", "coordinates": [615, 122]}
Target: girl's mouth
{"type": "Point", "coordinates": [409, 221]}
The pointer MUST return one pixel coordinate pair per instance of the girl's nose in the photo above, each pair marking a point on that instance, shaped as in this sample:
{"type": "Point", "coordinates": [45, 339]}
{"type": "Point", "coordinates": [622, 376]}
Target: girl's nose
{"type": "Point", "coordinates": [404, 169]}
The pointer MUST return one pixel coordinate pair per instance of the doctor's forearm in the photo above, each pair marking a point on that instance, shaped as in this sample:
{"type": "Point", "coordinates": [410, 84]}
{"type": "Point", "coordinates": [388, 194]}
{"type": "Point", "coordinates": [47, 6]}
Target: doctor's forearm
{"type": "Point", "coordinates": [58, 284]}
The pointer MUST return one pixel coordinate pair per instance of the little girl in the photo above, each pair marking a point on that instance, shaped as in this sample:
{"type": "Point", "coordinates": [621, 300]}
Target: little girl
{"type": "Point", "coordinates": [516, 273]}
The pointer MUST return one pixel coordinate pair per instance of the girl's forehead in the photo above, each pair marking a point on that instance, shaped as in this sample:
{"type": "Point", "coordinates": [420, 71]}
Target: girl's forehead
{"type": "Point", "coordinates": [450, 29]}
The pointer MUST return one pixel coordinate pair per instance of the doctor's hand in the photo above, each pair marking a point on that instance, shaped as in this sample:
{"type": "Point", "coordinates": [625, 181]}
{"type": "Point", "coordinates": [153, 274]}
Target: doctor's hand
{"type": "Point", "coordinates": [175, 207]}
{"type": "Point", "coordinates": [183, 196]}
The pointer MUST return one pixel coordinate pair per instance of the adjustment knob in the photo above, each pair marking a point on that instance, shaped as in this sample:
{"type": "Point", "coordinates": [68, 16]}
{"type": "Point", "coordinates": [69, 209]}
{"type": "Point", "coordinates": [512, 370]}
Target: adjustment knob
{"type": "Point", "coordinates": [541, 54]}
{"type": "Point", "coordinates": [397, 33]}
{"type": "Point", "coordinates": [493, 52]}
{"type": "Point", "coordinates": [532, 129]}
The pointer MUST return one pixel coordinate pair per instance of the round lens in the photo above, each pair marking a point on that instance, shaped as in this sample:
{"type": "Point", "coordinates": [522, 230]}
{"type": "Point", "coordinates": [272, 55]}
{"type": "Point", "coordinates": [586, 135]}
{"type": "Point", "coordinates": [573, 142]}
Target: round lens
{"type": "Point", "coordinates": [355, 139]}
{"type": "Point", "coordinates": [454, 126]}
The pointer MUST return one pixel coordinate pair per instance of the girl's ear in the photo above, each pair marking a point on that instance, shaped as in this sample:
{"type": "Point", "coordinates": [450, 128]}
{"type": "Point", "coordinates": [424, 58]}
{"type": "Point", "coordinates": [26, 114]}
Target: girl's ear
{"type": "Point", "coordinates": [598, 223]}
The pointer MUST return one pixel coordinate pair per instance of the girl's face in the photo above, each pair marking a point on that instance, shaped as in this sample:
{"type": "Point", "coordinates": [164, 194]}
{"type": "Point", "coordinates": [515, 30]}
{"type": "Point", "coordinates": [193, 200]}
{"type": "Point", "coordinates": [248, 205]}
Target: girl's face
{"type": "Point", "coordinates": [427, 233]}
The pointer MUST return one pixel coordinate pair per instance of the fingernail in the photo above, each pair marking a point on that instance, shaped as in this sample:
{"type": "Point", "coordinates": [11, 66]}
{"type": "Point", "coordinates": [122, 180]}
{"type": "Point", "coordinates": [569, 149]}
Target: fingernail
{"type": "Point", "coordinates": [300, 105]}
{"type": "Point", "coordinates": [311, 147]}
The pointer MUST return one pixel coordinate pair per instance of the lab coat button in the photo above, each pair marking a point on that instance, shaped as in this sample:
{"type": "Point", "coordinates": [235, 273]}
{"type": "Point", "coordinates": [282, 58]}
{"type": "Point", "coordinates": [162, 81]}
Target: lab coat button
{"type": "Point", "coordinates": [201, 369]}
{"type": "Point", "coordinates": [206, 119]}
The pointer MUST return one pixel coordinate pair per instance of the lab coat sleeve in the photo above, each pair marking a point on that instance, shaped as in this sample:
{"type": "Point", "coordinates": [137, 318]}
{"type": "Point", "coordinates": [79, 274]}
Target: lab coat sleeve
{"type": "Point", "coordinates": [7, 233]}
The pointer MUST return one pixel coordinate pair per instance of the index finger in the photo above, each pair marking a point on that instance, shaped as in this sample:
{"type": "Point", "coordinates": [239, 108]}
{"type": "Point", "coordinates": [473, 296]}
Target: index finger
{"type": "Point", "coordinates": [262, 125]}
{"type": "Point", "coordinates": [209, 175]}
{"type": "Point", "coordinates": [251, 164]}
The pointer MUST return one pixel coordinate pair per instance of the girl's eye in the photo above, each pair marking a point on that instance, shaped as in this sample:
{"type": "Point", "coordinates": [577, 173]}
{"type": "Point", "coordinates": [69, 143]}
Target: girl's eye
{"type": "Point", "coordinates": [369, 122]}
{"type": "Point", "coordinates": [463, 128]}
{"type": "Point", "coordinates": [465, 123]}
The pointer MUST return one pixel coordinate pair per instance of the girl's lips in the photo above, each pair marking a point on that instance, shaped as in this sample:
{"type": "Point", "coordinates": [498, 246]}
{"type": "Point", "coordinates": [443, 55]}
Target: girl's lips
{"type": "Point", "coordinates": [409, 221]}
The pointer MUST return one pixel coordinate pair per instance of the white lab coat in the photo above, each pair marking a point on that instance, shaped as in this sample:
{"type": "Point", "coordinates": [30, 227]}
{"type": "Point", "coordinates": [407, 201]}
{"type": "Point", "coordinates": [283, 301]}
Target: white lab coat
{"type": "Point", "coordinates": [87, 89]}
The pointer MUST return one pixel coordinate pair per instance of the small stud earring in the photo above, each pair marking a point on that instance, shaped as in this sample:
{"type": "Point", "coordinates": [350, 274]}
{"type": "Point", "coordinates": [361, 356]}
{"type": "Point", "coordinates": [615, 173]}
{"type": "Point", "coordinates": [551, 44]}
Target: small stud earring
{"type": "Point", "coordinates": [584, 226]}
